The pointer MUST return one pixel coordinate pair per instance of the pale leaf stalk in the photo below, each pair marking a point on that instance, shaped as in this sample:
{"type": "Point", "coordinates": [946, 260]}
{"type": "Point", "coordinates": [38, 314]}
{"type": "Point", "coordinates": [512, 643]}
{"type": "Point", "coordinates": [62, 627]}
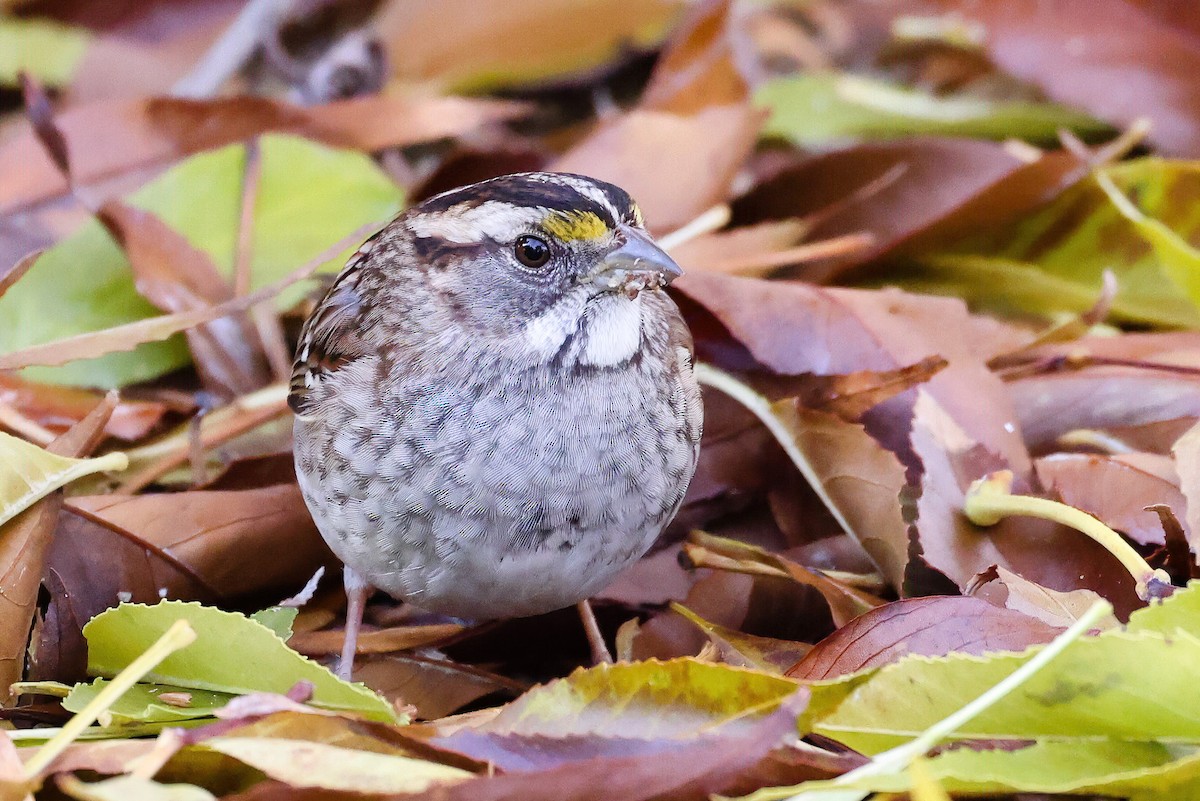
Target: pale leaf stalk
{"type": "Point", "coordinates": [179, 635]}
{"type": "Point", "coordinates": [706, 222]}
{"type": "Point", "coordinates": [990, 499]}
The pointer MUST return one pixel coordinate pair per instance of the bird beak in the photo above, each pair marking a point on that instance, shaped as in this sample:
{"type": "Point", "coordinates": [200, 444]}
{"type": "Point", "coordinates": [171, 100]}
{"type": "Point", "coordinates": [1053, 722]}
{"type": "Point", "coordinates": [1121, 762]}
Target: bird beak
{"type": "Point", "coordinates": [637, 264]}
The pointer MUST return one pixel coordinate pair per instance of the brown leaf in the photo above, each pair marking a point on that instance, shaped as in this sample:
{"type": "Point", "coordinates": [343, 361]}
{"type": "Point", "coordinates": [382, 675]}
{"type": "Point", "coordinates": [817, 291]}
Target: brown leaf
{"type": "Point", "coordinates": [793, 328]}
{"type": "Point", "coordinates": [1187, 464]}
{"type": "Point", "coordinates": [851, 395]}
{"type": "Point", "coordinates": [177, 277]}
{"type": "Point", "coordinates": [24, 544]}
{"type": "Point", "coordinates": [1155, 61]}
{"type": "Point", "coordinates": [58, 408]}
{"type": "Point", "coordinates": [115, 137]}
{"type": "Point", "coordinates": [587, 767]}
{"type": "Point", "coordinates": [928, 626]}
{"type": "Point", "coordinates": [945, 186]}
{"type": "Point", "coordinates": [951, 460]}
{"type": "Point", "coordinates": [435, 687]}
{"type": "Point", "coordinates": [1049, 406]}
{"type": "Point", "coordinates": [1112, 489]}
{"type": "Point", "coordinates": [697, 67]}
{"type": "Point", "coordinates": [674, 166]}
{"type": "Point", "coordinates": [201, 545]}
{"type": "Point", "coordinates": [455, 42]}
{"type": "Point", "coordinates": [374, 641]}
{"type": "Point", "coordinates": [863, 480]}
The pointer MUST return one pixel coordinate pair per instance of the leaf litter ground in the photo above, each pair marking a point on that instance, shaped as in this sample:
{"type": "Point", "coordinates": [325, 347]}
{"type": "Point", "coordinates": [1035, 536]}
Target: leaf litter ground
{"type": "Point", "coordinates": [926, 243]}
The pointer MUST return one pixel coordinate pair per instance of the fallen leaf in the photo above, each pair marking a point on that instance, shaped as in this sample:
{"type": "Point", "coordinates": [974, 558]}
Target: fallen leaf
{"type": "Point", "coordinates": [466, 46]}
{"type": "Point", "coordinates": [130, 788]}
{"type": "Point", "coordinates": [309, 197]}
{"type": "Point", "coordinates": [1113, 490]}
{"type": "Point", "coordinates": [30, 473]}
{"type": "Point", "coordinates": [24, 543]}
{"type": "Point", "coordinates": [674, 166]}
{"type": "Point", "coordinates": [944, 188]}
{"type": "Point", "coordinates": [228, 645]}
{"type": "Point", "coordinates": [926, 626]}
{"type": "Point", "coordinates": [112, 138]}
{"type": "Point", "coordinates": [822, 108]}
{"type": "Point", "coordinates": [1054, 608]}
{"type": "Point", "coordinates": [1155, 62]}
{"type": "Point", "coordinates": [331, 767]}
{"type": "Point", "coordinates": [951, 460]}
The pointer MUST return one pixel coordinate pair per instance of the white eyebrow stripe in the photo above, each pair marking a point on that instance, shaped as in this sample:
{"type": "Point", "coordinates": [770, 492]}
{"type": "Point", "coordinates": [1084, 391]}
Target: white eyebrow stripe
{"type": "Point", "coordinates": [502, 222]}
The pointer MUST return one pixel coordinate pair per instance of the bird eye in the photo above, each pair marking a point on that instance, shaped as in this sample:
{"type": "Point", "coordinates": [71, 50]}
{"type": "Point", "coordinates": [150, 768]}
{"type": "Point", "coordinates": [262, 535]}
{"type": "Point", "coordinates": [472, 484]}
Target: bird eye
{"type": "Point", "coordinates": [531, 251]}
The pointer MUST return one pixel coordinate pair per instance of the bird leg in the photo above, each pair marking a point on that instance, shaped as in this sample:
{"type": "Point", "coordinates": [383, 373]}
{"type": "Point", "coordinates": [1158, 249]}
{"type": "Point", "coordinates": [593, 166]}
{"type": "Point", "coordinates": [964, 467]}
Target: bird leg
{"type": "Point", "coordinates": [600, 654]}
{"type": "Point", "coordinates": [357, 590]}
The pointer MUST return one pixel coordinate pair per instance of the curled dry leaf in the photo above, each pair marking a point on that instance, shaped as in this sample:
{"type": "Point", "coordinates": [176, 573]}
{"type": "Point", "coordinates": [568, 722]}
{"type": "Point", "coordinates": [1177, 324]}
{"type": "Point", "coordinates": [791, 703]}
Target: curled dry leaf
{"type": "Point", "coordinates": [1116, 490]}
{"type": "Point", "coordinates": [24, 543]}
{"type": "Point", "coordinates": [1054, 608]}
{"type": "Point", "coordinates": [698, 66]}
{"type": "Point", "coordinates": [928, 626]}
{"type": "Point", "coordinates": [793, 328]}
{"type": "Point", "coordinates": [176, 277]}
{"type": "Point", "coordinates": [951, 460]}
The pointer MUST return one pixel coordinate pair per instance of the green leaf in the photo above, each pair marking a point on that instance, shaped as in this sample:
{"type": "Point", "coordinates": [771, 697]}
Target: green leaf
{"type": "Point", "coordinates": [1105, 686]}
{"type": "Point", "coordinates": [232, 654]}
{"type": "Point", "coordinates": [1053, 260]}
{"type": "Point", "coordinates": [1139, 770]}
{"type": "Point", "coordinates": [142, 704]}
{"type": "Point", "coordinates": [652, 699]}
{"type": "Point", "coordinates": [334, 768]}
{"type": "Point", "coordinates": [278, 619]}
{"type": "Point", "coordinates": [309, 197]}
{"type": "Point", "coordinates": [822, 108]}
{"type": "Point", "coordinates": [29, 473]}
{"type": "Point", "coordinates": [47, 50]}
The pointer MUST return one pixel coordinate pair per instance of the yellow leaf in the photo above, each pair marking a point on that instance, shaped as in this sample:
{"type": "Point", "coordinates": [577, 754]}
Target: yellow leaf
{"type": "Point", "coordinates": [28, 473]}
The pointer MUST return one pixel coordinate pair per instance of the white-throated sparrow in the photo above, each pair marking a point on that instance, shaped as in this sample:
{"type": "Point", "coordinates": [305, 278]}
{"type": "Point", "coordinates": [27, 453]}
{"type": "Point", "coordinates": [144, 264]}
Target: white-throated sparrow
{"type": "Point", "coordinates": [495, 408]}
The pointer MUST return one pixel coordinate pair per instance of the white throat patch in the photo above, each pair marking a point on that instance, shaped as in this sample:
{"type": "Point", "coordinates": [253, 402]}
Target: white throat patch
{"type": "Point", "coordinates": [611, 328]}
{"type": "Point", "coordinates": [614, 331]}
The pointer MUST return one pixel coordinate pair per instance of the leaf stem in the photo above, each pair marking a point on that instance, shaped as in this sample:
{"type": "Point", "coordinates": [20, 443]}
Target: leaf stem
{"type": "Point", "coordinates": [180, 635]}
{"type": "Point", "coordinates": [990, 499]}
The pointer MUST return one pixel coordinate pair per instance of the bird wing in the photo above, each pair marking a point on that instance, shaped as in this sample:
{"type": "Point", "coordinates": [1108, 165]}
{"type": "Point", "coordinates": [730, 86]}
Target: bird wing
{"type": "Point", "coordinates": [328, 339]}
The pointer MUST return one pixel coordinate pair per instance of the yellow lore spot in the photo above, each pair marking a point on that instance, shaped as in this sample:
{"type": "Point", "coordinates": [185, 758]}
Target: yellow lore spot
{"type": "Point", "coordinates": [570, 226]}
